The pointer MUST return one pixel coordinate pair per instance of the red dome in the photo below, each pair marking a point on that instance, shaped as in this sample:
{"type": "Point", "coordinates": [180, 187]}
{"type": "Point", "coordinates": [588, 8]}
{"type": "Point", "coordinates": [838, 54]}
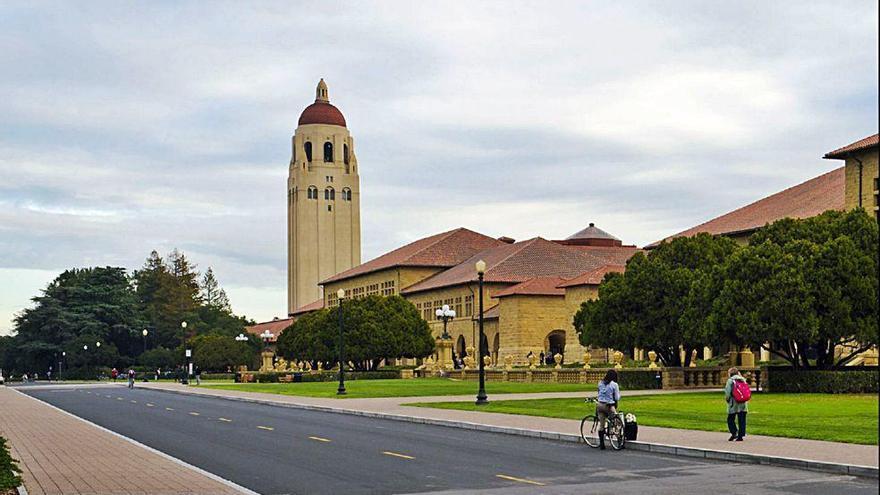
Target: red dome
{"type": "Point", "coordinates": [321, 112]}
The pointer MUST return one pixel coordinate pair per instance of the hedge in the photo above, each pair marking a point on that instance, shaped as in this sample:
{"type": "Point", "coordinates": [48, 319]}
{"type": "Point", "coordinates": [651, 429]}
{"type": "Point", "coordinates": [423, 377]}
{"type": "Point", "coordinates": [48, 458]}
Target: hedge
{"type": "Point", "coordinates": [856, 381]}
{"type": "Point", "coordinates": [638, 380]}
{"type": "Point", "coordinates": [326, 376]}
{"type": "Point", "coordinates": [9, 478]}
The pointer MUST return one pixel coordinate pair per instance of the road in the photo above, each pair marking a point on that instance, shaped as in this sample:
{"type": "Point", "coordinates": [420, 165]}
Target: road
{"type": "Point", "coordinates": [275, 450]}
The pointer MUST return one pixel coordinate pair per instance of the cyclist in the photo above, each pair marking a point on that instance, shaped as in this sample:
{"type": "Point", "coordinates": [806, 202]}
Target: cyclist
{"type": "Point", "coordinates": [609, 396]}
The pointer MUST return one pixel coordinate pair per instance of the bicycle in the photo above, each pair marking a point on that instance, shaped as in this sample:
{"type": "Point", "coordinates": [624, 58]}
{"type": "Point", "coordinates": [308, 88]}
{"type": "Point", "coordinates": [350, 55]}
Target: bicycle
{"type": "Point", "coordinates": [614, 430]}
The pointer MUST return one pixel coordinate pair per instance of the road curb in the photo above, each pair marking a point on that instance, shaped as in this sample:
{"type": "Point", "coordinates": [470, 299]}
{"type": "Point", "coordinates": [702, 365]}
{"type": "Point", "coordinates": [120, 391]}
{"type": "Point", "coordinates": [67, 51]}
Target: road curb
{"type": "Point", "coordinates": [655, 448]}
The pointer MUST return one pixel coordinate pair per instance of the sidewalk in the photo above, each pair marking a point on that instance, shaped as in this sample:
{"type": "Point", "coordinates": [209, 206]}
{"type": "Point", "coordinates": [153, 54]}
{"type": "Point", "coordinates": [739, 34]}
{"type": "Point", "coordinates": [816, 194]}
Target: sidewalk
{"type": "Point", "coordinates": [775, 447]}
{"type": "Point", "coordinates": [60, 454]}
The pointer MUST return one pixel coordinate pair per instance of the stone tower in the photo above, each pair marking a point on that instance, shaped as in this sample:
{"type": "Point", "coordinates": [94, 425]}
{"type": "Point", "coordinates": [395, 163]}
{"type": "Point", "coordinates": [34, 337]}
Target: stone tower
{"type": "Point", "coordinates": [323, 201]}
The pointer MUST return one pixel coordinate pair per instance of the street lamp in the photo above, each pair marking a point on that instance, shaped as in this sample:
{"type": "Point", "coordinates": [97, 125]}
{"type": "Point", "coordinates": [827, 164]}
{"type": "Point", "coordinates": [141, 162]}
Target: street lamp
{"type": "Point", "coordinates": [187, 354]}
{"type": "Point", "coordinates": [144, 332]}
{"type": "Point", "coordinates": [481, 395]}
{"type": "Point", "coordinates": [445, 314]}
{"type": "Point", "coordinates": [63, 361]}
{"type": "Point", "coordinates": [267, 337]}
{"type": "Point", "coordinates": [241, 338]}
{"type": "Point", "coordinates": [341, 390]}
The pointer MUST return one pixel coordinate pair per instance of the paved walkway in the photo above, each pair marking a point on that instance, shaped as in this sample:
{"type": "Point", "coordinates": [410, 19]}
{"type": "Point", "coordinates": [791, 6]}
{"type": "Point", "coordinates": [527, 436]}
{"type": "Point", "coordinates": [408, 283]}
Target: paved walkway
{"type": "Point", "coordinates": [61, 454]}
{"type": "Point", "coordinates": [809, 450]}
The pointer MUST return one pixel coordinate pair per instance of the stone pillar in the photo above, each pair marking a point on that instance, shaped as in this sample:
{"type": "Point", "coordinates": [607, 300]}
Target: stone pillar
{"type": "Point", "coordinates": [673, 378]}
{"type": "Point", "coordinates": [444, 353]}
{"type": "Point", "coordinates": [746, 358]}
{"type": "Point", "coordinates": [268, 365]}
{"type": "Point", "coordinates": [765, 354]}
{"type": "Point", "coordinates": [707, 353]}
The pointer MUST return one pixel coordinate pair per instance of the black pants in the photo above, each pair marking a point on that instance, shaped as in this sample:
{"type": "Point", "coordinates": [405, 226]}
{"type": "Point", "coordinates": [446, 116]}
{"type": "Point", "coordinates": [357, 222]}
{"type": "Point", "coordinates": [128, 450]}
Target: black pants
{"type": "Point", "coordinates": [731, 425]}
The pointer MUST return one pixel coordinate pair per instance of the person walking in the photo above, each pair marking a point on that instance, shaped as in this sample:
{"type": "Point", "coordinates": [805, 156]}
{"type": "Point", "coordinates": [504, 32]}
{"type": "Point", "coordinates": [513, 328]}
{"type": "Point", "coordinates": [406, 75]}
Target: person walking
{"type": "Point", "coordinates": [737, 395]}
{"type": "Point", "coordinates": [114, 373]}
{"type": "Point", "coordinates": [130, 378]}
{"type": "Point", "coordinates": [609, 396]}
{"type": "Point", "coordinates": [198, 376]}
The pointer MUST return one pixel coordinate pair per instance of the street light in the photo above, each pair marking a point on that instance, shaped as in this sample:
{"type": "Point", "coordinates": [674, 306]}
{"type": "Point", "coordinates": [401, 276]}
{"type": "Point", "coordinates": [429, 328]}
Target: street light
{"type": "Point", "coordinates": [241, 338]}
{"type": "Point", "coordinates": [187, 354]}
{"type": "Point", "coordinates": [267, 337]}
{"type": "Point", "coordinates": [481, 395]}
{"type": "Point", "coordinates": [63, 361]}
{"type": "Point", "coordinates": [144, 332]}
{"type": "Point", "coordinates": [341, 390]}
{"type": "Point", "coordinates": [445, 314]}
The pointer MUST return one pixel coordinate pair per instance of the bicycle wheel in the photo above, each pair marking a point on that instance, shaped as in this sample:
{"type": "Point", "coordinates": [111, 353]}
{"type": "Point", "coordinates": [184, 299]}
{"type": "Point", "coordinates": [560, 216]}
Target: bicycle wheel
{"type": "Point", "coordinates": [589, 430]}
{"type": "Point", "coordinates": [616, 435]}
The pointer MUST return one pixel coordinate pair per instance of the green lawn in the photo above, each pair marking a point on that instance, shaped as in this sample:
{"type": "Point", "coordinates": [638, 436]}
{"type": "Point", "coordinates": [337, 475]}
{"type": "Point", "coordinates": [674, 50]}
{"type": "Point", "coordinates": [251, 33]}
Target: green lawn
{"type": "Point", "coordinates": [420, 387]}
{"type": "Point", "coordinates": [839, 418]}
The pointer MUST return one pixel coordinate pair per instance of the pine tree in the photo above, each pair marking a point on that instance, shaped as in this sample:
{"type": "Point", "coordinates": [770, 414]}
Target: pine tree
{"type": "Point", "coordinates": [212, 294]}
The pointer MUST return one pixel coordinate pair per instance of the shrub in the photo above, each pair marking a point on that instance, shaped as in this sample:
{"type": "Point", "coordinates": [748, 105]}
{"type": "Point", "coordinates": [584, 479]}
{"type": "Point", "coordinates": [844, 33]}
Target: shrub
{"type": "Point", "coordinates": [856, 381]}
{"type": "Point", "coordinates": [638, 380]}
{"type": "Point", "coordinates": [218, 376]}
{"type": "Point", "coordinates": [9, 478]}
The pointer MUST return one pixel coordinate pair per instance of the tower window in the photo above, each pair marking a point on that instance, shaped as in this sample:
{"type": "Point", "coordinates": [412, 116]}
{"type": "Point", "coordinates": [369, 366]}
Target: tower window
{"type": "Point", "coordinates": [329, 207]}
{"type": "Point", "coordinates": [313, 192]}
{"type": "Point", "coordinates": [345, 157]}
{"type": "Point", "coordinates": [329, 194]}
{"type": "Point", "coordinates": [308, 148]}
{"type": "Point", "coordinates": [346, 194]}
{"type": "Point", "coordinates": [328, 151]}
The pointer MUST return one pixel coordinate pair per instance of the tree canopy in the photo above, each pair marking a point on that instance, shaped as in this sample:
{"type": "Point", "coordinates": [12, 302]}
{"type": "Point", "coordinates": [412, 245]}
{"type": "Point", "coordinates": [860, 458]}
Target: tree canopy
{"type": "Point", "coordinates": [374, 328]}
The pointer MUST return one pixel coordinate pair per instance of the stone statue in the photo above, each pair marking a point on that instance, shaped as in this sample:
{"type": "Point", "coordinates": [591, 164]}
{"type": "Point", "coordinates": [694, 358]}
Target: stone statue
{"type": "Point", "coordinates": [587, 358]}
{"type": "Point", "coordinates": [508, 362]}
{"type": "Point", "coordinates": [557, 358]}
{"type": "Point", "coordinates": [618, 360]}
{"type": "Point", "coordinates": [693, 358]}
{"type": "Point", "coordinates": [652, 356]}
{"type": "Point", "coordinates": [532, 360]}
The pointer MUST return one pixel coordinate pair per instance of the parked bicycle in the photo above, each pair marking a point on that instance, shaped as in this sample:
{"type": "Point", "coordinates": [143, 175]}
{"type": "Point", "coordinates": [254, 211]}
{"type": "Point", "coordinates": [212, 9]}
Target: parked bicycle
{"type": "Point", "coordinates": [614, 429]}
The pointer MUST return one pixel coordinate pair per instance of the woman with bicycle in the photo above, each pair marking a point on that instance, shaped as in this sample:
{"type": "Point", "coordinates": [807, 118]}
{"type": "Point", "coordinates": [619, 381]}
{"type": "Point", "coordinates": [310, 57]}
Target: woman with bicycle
{"type": "Point", "coordinates": [609, 396]}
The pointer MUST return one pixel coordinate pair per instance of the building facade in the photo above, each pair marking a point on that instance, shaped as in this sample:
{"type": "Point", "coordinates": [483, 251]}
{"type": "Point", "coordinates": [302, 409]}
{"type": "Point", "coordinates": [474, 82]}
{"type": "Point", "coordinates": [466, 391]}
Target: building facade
{"type": "Point", "coordinates": [323, 201]}
{"type": "Point", "coordinates": [861, 174]}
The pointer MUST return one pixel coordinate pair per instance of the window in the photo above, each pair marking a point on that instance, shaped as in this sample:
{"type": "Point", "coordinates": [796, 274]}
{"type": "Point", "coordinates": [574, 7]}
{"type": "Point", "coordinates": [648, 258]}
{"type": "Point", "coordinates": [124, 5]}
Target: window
{"type": "Point", "coordinates": [357, 292]}
{"type": "Point", "coordinates": [468, 305]}
{"type": "Point", "coordinates": [346, 194]}
{"type": "Point", "coordinates": [329, 194]}
{"type": "Point", "coordinates": [308, 148]}
{"type": "Point", "coordinates": [345, 157]}
{"type": "Point", "coordinates": [388, 288]}
{"type": "Point", "coordinates": [313, 192]}
{"type": "Point", "coordinates": [329, 207]}
{"type": "Point", "coordinates": [332, 300]}
{"type": "Point", "coordinates": [328, 151]}
{"type": "Point", "coordinates": [437, 305]}
{"type": "Point", "coordinates": [373, 290]}
{"type": "Point", "coordinates": [457, 307]}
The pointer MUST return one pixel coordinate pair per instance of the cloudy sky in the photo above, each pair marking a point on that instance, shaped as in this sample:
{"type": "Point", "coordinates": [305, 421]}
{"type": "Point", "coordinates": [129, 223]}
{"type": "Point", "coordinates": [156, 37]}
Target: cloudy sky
{"type": "Point", "coordinates": [132, 126]}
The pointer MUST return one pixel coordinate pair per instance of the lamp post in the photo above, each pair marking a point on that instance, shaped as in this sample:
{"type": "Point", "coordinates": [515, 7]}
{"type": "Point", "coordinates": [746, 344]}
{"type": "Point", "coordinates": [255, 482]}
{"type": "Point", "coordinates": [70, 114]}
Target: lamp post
{"type": "Point", "coordinates": [482, 399]}
{"type": "Point", "coordinates": [445, 314]}
{"type": "Point", "coordinates": [63, 361]}
{"type": "Point", "coordinates": [241, 338]}
{"type": "Point", "coordinates": [267, 337]}
{"type": "Point", "coordinates": [86, 357]}
{"type": "Point", "coordinates": [144, 332]}
{"type": "Point", "coordinates": [341, 390]}
{"type": "Point", "coordinates": [187, 355]}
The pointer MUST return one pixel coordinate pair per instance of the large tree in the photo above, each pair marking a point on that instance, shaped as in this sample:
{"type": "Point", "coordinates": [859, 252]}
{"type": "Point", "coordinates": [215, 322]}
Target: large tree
{"type": "Point", "coordinates": [808, 288]}
{"type": "Point", "coordinates": [374, 328]}
{"type": "Point", "coordinates": [221, 352]}
{"type": "Point", "coordinates": [644, 306]}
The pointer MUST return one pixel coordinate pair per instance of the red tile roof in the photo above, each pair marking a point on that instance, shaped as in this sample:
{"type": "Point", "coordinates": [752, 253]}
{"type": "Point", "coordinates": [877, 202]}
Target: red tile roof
{"type": "Point", "coordinates": [593, 277]}
{"type": "Point", "coordinates": [308, 308]}
{"type": "Point", "coordinates": [613, 255]}
{"type": "Point", "coordinates": [804, 200]}
{"type": "Point", "coordinates": [515, 263]}
{"type": "Point", "coordinates": [321, 112]}
{"type": "Point", "coordinates": [862, 144]}
{"type": "Point", "coordinates": [489, 314]}
{"type": "Point", "coordinates": [275, 326]}
{"type": "Point", "coordinates": [441, 250]}
{"type": "Point", "coordinates": [535, 286]}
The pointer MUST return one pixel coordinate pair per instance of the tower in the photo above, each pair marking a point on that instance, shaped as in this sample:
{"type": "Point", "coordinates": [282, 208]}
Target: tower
{"type": "Point", "coordinates": [323, 201]}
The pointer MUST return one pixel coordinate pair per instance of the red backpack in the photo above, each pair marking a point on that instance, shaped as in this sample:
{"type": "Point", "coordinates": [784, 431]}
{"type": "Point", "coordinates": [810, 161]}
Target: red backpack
{"type": "Point", "coordinates": [741, 391]}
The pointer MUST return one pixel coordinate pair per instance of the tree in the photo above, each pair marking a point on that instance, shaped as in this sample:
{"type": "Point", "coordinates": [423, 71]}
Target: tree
{"type": "Point", "coordinates": [374, 328]}
{"type": "Point", "coordinates": [220, 352]}
{"type": "Point", "coordinates": [161, 358]}
{"type": "Point", "coordinates": [212, 294]}
{"type": "Point", "coordinates": [808, 288]}
{"type": "Point", "coordinates": [645, 306]}
{"type": "Point", "coordinates": [169, 294]}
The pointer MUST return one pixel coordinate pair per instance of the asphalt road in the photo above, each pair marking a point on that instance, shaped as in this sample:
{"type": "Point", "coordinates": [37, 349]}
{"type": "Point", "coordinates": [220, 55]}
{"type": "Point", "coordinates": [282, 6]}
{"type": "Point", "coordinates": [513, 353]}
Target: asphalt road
{"type": "Point", "coordinates": [275, 450]}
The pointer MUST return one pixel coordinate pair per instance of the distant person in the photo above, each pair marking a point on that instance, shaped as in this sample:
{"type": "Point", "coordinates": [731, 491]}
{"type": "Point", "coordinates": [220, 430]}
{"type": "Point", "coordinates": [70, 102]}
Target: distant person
{"type": "Point", "coordinates": [609, 396]}
{"type": "Point", "coordinates": [198, 374]}
{"type": "Point", "coordinates": [130, 378]}
{"type": "Point", "coordinates": [114, 373]}
{"type": "Point", "coordinates": [541, 356]}
{"type": "Point", "coordinates": [158, 373]}
{"type": "Point", "coordinates": [24, 378]}
{"type": "Point", "coordinates": [737, 394]}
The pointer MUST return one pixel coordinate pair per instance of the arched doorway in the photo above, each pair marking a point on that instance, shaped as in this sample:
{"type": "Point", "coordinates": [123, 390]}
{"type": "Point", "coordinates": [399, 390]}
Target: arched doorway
{"type": "Point", "coordinates": [496, 344]}
{"type": "Point", "coordinates": [484, 346]}
{"type": "Point", "coordinates": [554, 343]}
{"type": "Point", "coordinates": [461, 347]}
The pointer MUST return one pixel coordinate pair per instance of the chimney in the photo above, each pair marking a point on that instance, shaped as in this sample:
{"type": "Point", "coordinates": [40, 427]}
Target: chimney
{"type": "Point", "coordinates": [507, 240]}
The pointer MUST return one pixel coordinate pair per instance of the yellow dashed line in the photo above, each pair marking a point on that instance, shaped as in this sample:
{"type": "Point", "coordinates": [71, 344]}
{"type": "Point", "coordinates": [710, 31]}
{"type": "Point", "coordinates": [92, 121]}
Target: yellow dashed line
{"type": "Point", "coordinates": [193, 414]}
{"type": "Point", "coordinates": [134, 402]}
{"type": "Point", "coordinates": [226, 420]}
{"type": "Point", "coordinates": [269, 428]}
{"type": "Point", "coordinates": [168, 409]}
{"type": "Point", "coordinates": [521, 480]}
{"type": "Point", "coordinates": [319, 439]}
{"type": "Point", "coordinates": [119, 398]}
{"type": "Point", "coordinates": [149, 405]}
{"type": "Point", "coordinates": [395, 454]}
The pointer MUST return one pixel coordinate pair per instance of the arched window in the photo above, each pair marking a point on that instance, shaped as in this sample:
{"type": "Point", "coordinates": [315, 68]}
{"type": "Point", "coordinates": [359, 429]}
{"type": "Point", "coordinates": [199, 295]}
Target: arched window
{"type": "Point", "coordinates": [328, 151]}
{"type": "Point", "coordinates": [308, 148]}
{"type": "Point", "coordinates": [329, 194]}
{"type": "Point", "coordinates": [346, 194]}
{"type": "Point", "coordinates": [345, 157]}
{"type": "Point", "coordinates": [313, 192]}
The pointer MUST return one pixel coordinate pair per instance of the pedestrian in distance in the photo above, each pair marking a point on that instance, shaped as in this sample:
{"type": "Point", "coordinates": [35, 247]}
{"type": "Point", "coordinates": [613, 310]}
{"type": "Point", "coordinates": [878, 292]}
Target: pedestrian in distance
{"type": "Point", "coordinates": [198, 374]}
{"type": "Point", "coordinates": [114, 373]}
{"type": "Point", "coordinates": [542, 358]}
{"type": "Point", "coordinates": [130, 378]}
{"type": "Point", "coordinates": [737, 394]}
{"type": "Point", "coordinates": [606, 405]}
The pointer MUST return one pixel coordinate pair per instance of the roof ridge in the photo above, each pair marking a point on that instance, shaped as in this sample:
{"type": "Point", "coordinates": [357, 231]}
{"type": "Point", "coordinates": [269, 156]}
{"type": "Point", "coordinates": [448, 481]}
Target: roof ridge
{"type": "Point", "coordinates": [442, 236]}
{"type": "Point", "coordinates": [526, 243]}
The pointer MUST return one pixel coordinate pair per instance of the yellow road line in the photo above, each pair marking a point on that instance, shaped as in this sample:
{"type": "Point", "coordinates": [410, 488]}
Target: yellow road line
{"type": "Point", "coordinates": [149, 405]}
{"type": "Point", "coordinates": [168, 409]}
{"type": "Point", "coordinates": [521, 480]}
{"type": "Point", "coordinates": [134, 402]}
{"type": "Point", "coordinates": [224, 419]}
{"type": "Point", "coordinates": [119, 398]}
{"type": "Point", "coordinates": [319, 439]}
{"type": "Point", "coordinates": [395, 454]}
{"type": "Point", "coordinates": [269, 428]}
{"type": "Point", "coordinates": [193, 414]}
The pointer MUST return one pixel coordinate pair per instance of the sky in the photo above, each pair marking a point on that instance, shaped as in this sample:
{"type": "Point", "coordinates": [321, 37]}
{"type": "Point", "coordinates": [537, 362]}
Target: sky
{"type": "Point", "coordinates": [132, 126]}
